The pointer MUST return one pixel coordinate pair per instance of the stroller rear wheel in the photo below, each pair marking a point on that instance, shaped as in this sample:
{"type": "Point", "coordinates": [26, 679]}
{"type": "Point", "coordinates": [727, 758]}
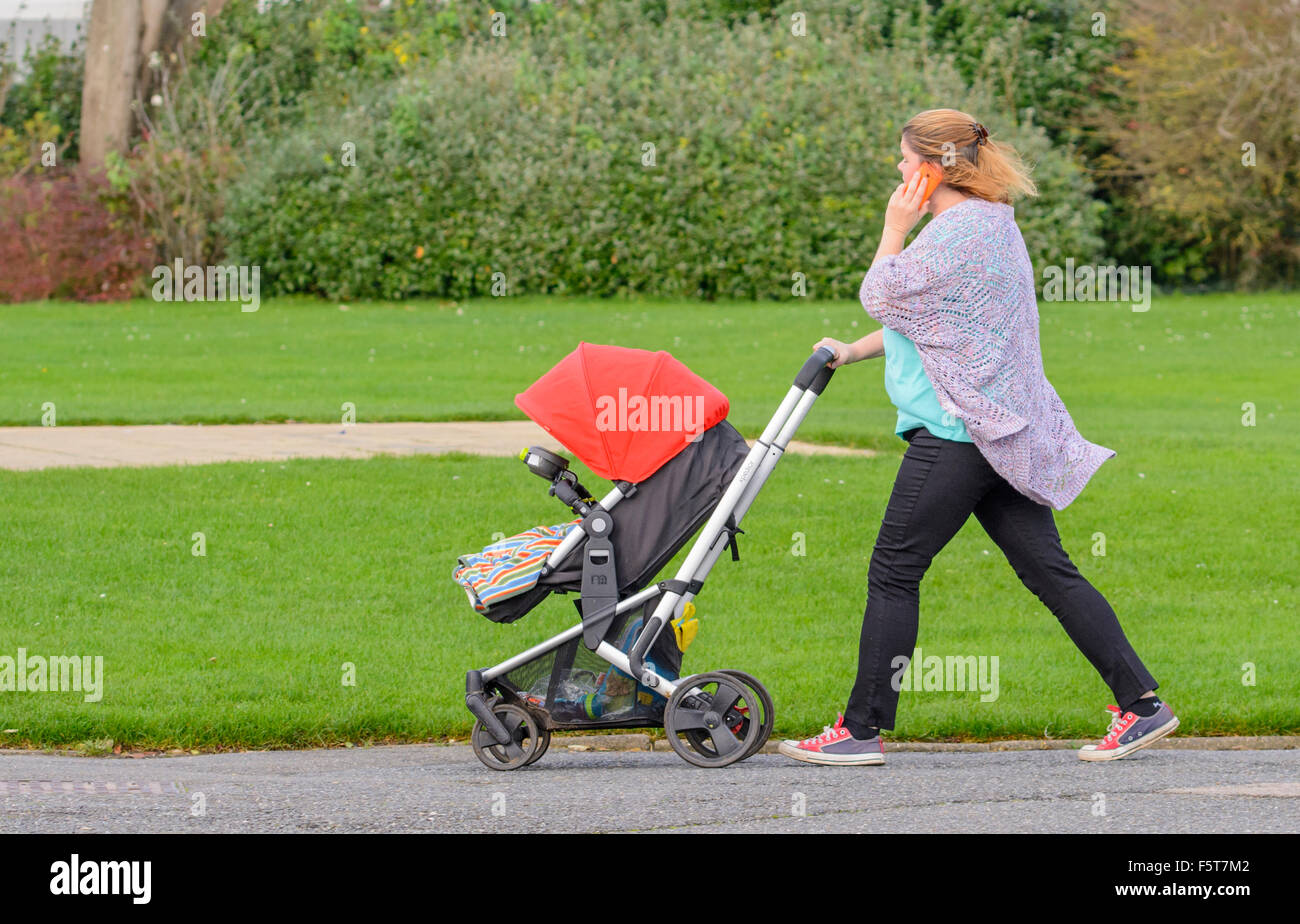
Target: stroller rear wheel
{"type": "Point", "coordinates": [701, 741]}
{"type": "Point", "coordinates": [716, 707]}
{"type": "Point", "coordinates": [529, 739]}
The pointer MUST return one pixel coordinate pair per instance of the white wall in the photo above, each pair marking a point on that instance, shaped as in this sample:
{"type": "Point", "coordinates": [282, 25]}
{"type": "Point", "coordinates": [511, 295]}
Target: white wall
{"type": "Point", "coordinates": [27, 22]}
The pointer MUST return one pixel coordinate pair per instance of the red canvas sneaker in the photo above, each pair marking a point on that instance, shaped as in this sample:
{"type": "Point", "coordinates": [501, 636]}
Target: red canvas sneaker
{"type": "Point", "coordinates": [1130, 732]}
{"type": "Point", "coordinates": [836, 746]}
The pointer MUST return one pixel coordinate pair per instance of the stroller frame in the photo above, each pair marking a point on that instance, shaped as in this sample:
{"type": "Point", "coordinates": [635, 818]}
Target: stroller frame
{"type": "Point", "coordinates": [505, 748]}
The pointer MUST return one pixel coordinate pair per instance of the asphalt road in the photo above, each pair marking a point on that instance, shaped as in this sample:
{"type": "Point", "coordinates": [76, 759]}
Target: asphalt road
{"type": "Point", "coordinates": [426, 788]}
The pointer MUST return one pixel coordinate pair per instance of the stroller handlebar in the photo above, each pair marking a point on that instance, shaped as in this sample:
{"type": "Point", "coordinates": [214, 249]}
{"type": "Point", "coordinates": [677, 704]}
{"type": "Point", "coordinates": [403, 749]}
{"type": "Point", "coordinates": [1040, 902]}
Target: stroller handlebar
{"type": "Point", "coordinates": [815, 373]}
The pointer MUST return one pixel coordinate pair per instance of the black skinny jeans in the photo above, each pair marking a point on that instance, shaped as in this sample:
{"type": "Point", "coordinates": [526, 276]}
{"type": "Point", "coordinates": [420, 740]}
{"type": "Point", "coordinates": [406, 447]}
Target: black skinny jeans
{"type": "Point", "coordinates": [939, 484]}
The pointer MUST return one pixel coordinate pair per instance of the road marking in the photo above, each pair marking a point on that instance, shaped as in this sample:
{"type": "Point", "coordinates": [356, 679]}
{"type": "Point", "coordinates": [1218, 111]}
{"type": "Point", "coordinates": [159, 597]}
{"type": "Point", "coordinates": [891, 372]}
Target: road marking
{"type": "Point", "coordinates": [39, 787]}
{"type": "Point", "coordinates": [1277, 790]}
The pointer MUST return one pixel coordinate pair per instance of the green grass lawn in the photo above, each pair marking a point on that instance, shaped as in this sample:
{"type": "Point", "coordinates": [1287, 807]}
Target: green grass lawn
{"type": "Point", "coordinates": [314, 564]}
{"type": "Point", "coordinates": [1120, 372]}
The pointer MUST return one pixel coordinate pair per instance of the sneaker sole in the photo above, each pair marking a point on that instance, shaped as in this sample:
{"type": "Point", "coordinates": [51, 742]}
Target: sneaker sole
{"type": "Point", "coordinates": [1132, 746]}
{"type": "Point", "coordinates": [830, 760]}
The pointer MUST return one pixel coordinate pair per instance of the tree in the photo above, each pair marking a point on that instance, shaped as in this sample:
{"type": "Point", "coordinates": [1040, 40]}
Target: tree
{"type": "Point", "coordinates": [123, 37]}
{"type": "Point", "coordinates": [1204, 165]}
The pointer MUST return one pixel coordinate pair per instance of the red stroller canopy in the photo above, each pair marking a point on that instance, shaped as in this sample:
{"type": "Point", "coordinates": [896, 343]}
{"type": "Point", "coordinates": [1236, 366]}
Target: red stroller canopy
{"type": "Point", "coordinates": [623, 412]}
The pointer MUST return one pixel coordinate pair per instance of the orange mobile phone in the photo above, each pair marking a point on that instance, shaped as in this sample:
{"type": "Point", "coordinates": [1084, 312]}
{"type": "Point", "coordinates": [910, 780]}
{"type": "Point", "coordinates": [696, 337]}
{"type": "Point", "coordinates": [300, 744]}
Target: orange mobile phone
{"type": "Point", "coordinates": [932, 176]}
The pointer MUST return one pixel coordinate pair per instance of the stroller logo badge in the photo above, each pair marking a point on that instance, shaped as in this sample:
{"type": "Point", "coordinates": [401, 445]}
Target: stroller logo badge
{"type": "Point", "coordinates": [657, 413]}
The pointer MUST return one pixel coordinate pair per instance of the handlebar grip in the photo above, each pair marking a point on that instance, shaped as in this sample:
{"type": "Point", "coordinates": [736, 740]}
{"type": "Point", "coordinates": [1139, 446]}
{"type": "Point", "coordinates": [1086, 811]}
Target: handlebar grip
{"type": "Point", "coordinates": [814, 368]}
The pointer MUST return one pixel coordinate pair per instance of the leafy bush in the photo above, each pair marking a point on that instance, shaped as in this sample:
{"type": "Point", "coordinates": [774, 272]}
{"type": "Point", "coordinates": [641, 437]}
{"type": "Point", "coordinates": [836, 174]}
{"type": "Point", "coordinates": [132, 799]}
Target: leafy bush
{"type": "Point", "coordinates": [1039, 58]}
{"type": "Point", "coordinates": [321, 51]}
{"type": "Point", "coordinates": [24, 152]}
{"type": "Point", "coordinates": [1205, 170]}
{"type": "Point", "coordinates": [175, 177]}
{"type": "Point", "coordinates": [774, 155]}
{"type": "Point", "coordinates": [299, 47]}
{"type": "Point", "coordinates": [57, 240]}
{"type": "Point", "coordinates": [44, 107]}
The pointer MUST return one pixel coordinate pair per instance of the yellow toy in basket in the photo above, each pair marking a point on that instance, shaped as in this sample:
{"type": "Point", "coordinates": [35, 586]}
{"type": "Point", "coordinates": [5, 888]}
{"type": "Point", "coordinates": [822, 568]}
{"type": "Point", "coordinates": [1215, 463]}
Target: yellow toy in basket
{"type": "Point", "coordinates": [686, 626]}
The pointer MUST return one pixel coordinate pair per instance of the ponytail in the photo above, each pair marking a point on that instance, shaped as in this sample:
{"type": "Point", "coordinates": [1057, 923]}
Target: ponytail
{"type": "Point", "coordinates": [972, 162]}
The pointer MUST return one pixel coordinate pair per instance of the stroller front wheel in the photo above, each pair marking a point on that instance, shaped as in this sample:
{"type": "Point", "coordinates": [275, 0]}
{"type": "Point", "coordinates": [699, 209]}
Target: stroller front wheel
{"type": "Point", "coordinates": [713, 707]}
{"type": "Point", "coordinates": [701, 741]}
{"type": "Point", "coordinates": [529, 739]}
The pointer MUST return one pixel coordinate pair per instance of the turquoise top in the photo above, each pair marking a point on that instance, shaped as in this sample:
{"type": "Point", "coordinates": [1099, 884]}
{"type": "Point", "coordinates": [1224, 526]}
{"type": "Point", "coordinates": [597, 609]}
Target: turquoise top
{"type": "Point", "coordinates": [910, 390]}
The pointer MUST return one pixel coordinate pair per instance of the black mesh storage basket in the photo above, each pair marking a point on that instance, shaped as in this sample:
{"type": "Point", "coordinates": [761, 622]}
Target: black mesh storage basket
{"type": "Point", "coordinates": [574, 688]}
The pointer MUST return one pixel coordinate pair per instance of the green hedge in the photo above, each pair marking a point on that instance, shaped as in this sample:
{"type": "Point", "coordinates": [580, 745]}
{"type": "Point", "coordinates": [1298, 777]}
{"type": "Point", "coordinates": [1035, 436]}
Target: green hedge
{"type": "Point", "coordinates": [775, 155]}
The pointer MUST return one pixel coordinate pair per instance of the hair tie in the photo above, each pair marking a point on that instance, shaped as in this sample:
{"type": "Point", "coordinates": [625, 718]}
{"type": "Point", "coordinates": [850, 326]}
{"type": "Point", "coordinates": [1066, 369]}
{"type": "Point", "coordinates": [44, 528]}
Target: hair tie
{"type": "Point", "coordinates": [981, 133]}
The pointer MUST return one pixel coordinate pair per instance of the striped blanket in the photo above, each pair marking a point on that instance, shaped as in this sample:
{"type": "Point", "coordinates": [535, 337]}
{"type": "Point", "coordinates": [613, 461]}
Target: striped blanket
{"type": "Point", "coordinates": [507, 568]}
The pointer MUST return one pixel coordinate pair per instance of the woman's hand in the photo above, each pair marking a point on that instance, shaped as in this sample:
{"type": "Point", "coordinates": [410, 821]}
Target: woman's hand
{"type": "Point", "coordinates": [904, 209]}
{"type": "Point", "coordinates": [844, 352]}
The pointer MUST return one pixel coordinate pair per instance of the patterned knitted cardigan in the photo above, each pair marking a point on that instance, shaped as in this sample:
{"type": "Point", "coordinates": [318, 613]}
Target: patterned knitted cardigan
{"type": "Point", "coordinates": [963, 291]}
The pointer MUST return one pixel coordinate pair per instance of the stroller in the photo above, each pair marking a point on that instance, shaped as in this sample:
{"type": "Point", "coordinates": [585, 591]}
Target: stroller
{"type": "Point", "coordinates": [619, 666]}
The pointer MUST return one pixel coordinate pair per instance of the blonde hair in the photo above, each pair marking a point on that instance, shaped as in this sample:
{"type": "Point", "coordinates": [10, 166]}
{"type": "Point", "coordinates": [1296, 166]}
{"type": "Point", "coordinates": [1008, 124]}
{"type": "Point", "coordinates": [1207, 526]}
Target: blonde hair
{"type": "Point", "coordinates": [988, 169]}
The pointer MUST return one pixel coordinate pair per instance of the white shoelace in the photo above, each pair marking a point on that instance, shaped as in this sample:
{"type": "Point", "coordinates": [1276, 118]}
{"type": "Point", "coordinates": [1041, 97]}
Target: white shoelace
{"type": "Point", "coordinates": [1115, 722]}
{"type": "Point", "coordinates": [827, 734]}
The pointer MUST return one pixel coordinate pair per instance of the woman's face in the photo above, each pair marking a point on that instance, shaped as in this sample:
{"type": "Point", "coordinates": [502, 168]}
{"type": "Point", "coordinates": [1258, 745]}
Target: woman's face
{"type": "Point", "coordinates": [911, 161]}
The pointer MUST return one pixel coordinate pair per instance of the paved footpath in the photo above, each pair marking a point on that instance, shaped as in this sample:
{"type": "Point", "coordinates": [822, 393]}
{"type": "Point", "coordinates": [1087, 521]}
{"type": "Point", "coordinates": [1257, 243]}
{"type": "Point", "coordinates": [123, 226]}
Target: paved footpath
{"type": "Point", "coordinates": [106, 447]}
{"type": "Point", "coordinates": [443, 788]}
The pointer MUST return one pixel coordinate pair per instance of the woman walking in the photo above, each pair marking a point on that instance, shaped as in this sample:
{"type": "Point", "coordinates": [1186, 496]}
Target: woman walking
{"type": "Point", "coordinates": [986, 432]}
